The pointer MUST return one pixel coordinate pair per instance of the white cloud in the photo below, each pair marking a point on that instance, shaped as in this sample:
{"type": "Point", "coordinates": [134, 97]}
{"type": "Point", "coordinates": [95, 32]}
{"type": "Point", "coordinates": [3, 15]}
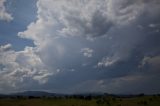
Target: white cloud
{"type": "Point", "coordinates": [73, 18]}
{"type": "Point", "coordinates": [107, 61]}
{"type": "Point", "coordinates": [20, 66]}
{"type": "Point", "coordinates": [87, 52]}
{"type": "Point", "coordinates": [4, 15]}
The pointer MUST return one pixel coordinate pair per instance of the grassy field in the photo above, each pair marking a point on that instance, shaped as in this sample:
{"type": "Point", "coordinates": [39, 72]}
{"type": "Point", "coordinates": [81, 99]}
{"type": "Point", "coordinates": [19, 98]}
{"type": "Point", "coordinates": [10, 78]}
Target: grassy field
{"type": "Point", "coordinates": [105, 101]}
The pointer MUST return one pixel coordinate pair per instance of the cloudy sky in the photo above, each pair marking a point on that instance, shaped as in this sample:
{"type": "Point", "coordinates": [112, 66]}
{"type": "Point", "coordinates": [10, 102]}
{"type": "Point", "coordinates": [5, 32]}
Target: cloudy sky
{"type": "Point", "coordinates": [75, 46]}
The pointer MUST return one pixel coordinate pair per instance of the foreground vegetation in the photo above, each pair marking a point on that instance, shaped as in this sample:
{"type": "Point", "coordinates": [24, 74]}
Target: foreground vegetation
{"type": "Point", "coordinates": [82, 101]}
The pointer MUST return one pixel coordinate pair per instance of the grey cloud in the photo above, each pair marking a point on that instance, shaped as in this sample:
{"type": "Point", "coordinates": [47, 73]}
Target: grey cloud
{"type": "Point", "coordinates": [151, 63]}
{"type": "Point", "coordinates": [98, 25]}
{"type": "Point", "coordinates": [4, 15]}
{"type": "Point", "coordinates": [5, 47]}
{"type": "Point", "coordinates": [124, 33]}
{"type": "Point", "coordinates": [87, 52]}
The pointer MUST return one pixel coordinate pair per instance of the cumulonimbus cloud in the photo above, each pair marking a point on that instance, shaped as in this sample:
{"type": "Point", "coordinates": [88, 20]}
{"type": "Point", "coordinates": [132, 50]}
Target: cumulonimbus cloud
{"type": "Point", "coordinates": [118, 27]}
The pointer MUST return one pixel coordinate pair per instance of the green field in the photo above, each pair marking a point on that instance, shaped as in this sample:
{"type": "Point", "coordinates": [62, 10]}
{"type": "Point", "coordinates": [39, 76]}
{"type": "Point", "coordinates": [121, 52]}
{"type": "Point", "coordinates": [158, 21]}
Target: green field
{"type": "Point", "coordinates": [105, 101]}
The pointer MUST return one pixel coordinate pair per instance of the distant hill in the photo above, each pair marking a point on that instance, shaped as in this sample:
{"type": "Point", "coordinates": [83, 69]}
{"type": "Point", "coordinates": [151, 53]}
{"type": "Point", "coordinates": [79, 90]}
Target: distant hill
{"type": "Point", "coordinates": [33, 93]}
{"type": "Point", "coordinates": [2, 95]}
{"type": "Point", "coordinates": [48, 94]}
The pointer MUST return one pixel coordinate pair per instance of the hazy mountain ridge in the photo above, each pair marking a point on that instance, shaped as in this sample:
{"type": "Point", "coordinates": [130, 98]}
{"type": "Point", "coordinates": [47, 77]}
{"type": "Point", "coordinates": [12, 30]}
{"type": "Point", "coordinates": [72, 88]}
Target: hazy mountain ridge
{"type": "Point", "coordinates": [50, 94]}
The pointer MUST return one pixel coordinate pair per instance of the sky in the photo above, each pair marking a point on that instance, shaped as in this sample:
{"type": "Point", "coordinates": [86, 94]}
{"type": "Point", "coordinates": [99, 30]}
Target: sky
{"type": "Point", "coordinates": [79, 46]}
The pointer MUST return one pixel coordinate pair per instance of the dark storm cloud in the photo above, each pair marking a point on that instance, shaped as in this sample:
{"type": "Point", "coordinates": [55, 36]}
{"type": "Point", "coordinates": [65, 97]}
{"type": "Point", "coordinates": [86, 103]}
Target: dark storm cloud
{"type": "Point", "coordinates": [127, 44]}
{"type": "Point", "coordinates": [97, 26]}
{"type": "Point", "coordinates": [100, 25]}
{"type": "Point", "coordinates": [124, 43]}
